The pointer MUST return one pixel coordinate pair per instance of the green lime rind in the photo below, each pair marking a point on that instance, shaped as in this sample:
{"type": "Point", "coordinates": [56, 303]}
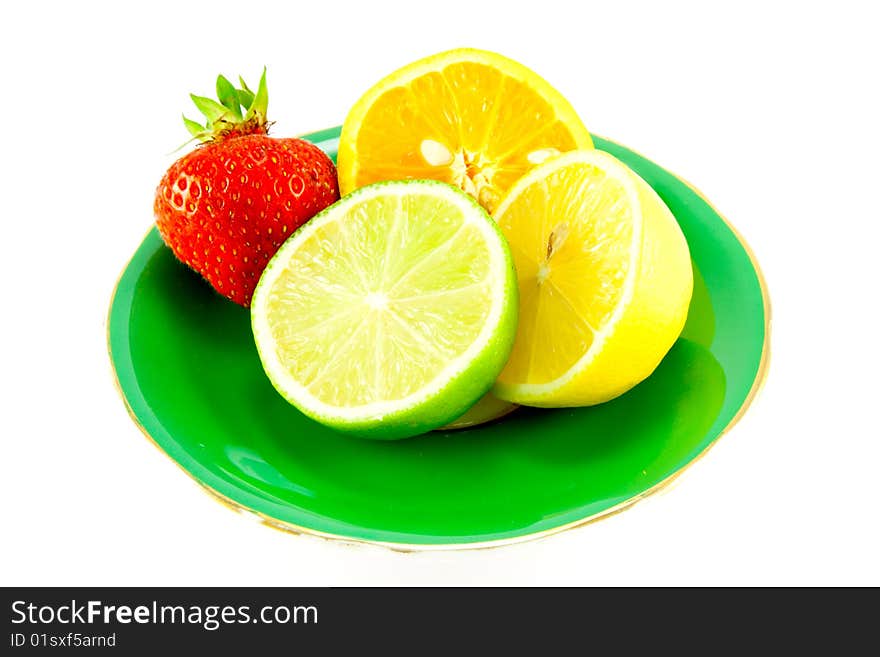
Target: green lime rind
{"type": "Point", "coordinates": [457, 388]}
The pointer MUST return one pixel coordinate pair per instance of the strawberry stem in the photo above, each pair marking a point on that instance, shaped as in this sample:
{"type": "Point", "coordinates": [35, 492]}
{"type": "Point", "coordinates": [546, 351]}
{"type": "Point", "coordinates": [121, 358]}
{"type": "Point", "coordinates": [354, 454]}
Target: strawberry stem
{"type": "Point", "coordinates": [224, 119]}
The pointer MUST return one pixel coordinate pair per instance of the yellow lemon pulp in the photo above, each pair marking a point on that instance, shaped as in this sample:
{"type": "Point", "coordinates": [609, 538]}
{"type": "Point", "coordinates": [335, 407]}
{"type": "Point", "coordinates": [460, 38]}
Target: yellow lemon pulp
{"type": "Point", "coordinates": [467, 117]}
{"type": "Point", "coordinates": [604, 278]}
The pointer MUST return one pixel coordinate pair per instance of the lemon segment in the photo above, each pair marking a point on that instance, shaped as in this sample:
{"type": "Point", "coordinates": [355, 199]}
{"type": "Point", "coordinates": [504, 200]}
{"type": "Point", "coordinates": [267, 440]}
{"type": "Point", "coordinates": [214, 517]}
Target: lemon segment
{"type": "Point", "coordinates": [604, 277]}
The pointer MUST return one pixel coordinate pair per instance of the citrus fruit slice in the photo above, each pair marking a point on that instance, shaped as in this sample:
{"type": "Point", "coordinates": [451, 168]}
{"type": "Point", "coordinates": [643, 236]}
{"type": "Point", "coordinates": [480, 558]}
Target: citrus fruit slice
{"type": "Point", "coordinates": [487, 409]}
{"type": "Point", "coordinates": [467, 117]}
{"type": "Point", "coordinates": [604, 278]}
{"type": "Point", "coordinates": [389, 313]}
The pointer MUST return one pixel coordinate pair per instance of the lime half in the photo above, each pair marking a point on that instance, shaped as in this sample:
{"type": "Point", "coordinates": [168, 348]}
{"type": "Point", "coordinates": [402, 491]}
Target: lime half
{"type": "Point", "coordinates": [391, 312]}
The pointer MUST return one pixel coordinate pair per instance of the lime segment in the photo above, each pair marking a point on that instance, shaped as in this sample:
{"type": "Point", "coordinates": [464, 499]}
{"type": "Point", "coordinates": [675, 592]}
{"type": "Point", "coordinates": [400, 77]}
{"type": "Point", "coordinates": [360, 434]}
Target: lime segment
{"type": "Point", "coordinates": [391, 312]}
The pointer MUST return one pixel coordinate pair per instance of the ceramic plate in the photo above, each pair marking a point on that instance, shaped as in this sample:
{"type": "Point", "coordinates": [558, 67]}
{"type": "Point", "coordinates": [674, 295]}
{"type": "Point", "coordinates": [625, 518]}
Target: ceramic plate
{"type": "Point", "coordinates": [189, 373]}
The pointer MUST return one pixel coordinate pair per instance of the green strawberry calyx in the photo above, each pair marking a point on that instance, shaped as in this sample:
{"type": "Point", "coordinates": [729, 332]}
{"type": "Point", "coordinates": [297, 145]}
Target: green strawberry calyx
{"type": "Point", "coordinates": [239, 112]}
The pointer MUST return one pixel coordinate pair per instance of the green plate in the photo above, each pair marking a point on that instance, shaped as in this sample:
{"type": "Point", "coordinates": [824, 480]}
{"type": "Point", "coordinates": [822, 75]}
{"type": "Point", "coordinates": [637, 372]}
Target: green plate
{"type": "Point", "coordinates": [189, 373]}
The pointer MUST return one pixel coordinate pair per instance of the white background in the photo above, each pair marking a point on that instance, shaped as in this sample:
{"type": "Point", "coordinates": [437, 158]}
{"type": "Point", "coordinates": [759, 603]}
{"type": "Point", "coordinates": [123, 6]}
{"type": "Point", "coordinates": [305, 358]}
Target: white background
{"type": "Point", "coordinates": [771, 109]}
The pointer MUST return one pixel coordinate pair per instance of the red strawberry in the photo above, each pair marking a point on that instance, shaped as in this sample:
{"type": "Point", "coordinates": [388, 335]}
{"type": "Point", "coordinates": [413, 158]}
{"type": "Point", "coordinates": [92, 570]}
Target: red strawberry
{"type": "Point", "coordinates": [226, 207]}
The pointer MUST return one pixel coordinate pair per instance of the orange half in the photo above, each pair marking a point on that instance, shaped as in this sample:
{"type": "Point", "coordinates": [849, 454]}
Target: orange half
{"type": "Point", "coordinates": [467, 117]}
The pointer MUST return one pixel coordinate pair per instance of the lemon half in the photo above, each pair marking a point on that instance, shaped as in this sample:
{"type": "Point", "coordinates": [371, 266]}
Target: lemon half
{"type": "Point", "coordinates": [604, 278]}
{"type": "Point", "coordinates": [468, 117]}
